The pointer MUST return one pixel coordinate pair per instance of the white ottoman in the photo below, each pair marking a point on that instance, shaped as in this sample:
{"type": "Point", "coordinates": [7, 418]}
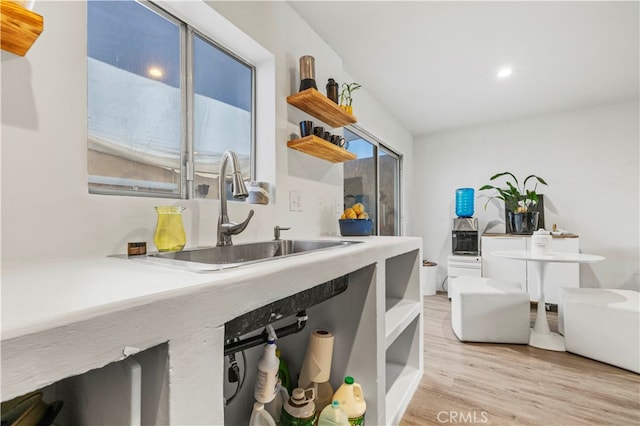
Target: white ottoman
{"type": "Point", "coordinates": [602, 324]}
{"type": "Point", "coordinates": [487, 310]}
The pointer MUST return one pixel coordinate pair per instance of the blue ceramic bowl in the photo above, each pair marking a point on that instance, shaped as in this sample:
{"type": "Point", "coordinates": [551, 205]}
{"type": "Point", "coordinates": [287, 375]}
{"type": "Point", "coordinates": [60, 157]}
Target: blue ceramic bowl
{"type": "Point", "coordinates": [355, 227]}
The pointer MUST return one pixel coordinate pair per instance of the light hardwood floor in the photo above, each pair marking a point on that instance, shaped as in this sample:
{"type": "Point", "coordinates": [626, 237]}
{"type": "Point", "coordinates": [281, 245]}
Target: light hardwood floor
{"type": "Point", "coordinates": [498, 384]}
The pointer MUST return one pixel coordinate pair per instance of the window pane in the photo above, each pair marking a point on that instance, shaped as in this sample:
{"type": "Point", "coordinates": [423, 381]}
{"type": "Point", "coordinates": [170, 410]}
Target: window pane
{"type": "Point", "coordinates": [134, 99]}
{"type": "Point", "coordinates": [222, 113]}
{"type": "Point", "coordinates": [360, 176]}
{"type": "Point", "coordinates": [389, 170]}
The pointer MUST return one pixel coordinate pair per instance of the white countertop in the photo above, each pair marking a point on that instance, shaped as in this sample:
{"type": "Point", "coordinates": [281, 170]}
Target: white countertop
{"type": "Point", "coordinates": [559, 257]}
{"type": "Point", "coordinates": [54, 308]}
{"type": "Point", "coordinates": [46, 295]}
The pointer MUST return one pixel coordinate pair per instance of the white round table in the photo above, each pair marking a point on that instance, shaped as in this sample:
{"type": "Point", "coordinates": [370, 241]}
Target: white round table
{"type": "Point", "coordinates": [541, 336]}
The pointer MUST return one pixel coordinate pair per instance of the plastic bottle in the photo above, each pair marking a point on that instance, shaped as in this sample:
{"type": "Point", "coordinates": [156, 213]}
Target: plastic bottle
{"type": "Point", "coordinates": [259, 417]}
{"type": "Point", "coordinates": [283, 372]}
{"type": "Point", "coordinates": [274, 408]}
{"type": "Point", "coordinates": [351, 400]}
{"type": "Point", "coordinates": [267, 378]}
{"type": "Point", "coordinates": [333, 415]}
{"type": "Point", "coordinates": [464, 202]}
{"type": "Point", "coordinates": [299, 410]}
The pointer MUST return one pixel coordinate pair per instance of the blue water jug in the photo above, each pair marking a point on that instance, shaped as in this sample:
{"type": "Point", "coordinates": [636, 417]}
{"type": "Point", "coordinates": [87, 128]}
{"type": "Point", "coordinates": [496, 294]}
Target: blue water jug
{"type": "Point", "coordinates": [464, 202]}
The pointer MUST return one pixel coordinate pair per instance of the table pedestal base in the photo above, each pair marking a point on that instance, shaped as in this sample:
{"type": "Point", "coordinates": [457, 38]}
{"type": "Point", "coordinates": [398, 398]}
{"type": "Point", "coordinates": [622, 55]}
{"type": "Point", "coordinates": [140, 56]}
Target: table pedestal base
{"type": "Point", "coordinates": [550, 341]}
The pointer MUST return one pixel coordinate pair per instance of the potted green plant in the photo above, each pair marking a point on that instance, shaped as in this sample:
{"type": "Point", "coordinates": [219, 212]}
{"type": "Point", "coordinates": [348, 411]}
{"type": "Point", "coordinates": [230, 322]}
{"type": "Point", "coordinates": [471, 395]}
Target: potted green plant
{"type": "Point", "coordinates": [346, 97]}
{"type": "Point", "coordinates": [519, 201]}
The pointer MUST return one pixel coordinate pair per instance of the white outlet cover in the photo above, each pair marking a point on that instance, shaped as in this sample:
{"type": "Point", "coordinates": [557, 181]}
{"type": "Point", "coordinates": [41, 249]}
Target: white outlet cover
{"type": "Point", "coordinates": [295, 201]}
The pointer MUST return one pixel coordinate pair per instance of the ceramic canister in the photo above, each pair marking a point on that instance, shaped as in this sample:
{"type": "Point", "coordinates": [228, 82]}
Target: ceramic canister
{"type": "Point", "coordinates": [541, 242]}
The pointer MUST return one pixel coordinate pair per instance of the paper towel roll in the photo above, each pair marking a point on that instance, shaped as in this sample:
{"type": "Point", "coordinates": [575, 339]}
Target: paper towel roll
{"type": "Point", "coordinates": [316, 366]}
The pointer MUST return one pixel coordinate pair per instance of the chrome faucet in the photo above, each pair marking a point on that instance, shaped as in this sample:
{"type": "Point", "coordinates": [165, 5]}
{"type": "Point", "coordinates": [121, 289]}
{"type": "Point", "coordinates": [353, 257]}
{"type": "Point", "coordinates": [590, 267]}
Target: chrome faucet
{"type": "Point", "coordinates": [276, 232]}
{"type": "Point", "coordinates": [227, 228]}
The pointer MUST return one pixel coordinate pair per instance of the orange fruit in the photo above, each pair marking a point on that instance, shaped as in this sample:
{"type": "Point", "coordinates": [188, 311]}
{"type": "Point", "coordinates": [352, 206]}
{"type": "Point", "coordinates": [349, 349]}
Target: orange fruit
{"type": "Point", "coordinates": [363, 215]}
{"type": "Point", "coordinates": [350, 214]}
{"type": "Point", "coordinates": [358, 208]}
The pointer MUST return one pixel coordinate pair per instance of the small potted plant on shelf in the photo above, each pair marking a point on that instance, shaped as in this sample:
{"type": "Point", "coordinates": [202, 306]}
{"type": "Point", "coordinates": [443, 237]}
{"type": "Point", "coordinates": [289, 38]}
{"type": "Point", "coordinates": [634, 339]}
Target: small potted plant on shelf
{"type": "Point", "coordinates": [346, 96]}
{"type": "Point", "coordinates": [519, 202]}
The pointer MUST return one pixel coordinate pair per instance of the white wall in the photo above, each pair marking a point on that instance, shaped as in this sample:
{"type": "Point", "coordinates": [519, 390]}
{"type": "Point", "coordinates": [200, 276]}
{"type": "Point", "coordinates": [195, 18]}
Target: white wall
{"type": "Point", "coordinates": [278, 28]}
{"type": "Point", "coordinates": [47, 212]}
{"type": "Point", "coordinates": [588, 157]}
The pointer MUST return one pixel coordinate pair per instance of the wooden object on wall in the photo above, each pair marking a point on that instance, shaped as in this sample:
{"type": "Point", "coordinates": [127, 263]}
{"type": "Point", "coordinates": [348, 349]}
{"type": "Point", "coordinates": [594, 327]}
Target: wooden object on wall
{"type": "Point", "coordinates": [19, 28]}
{"type": "Point", "coordinates": [324, 109]}
{"type": "Point", "coordinates": [320, 148]}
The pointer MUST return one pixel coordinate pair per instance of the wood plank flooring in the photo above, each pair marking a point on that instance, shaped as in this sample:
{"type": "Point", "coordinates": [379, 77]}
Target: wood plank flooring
{"type": "Point", "coordinates": [498, 384]}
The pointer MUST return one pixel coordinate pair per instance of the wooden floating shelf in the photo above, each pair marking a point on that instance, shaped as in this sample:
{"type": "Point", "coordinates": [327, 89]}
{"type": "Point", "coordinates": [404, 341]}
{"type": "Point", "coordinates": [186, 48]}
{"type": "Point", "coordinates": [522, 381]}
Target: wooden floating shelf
{"type": "Point", "coordinates": [320, 148]}
{"type": "Point", "coordinates": [324, 109]}
{"type": "Point", "coordinates": [19, 28]}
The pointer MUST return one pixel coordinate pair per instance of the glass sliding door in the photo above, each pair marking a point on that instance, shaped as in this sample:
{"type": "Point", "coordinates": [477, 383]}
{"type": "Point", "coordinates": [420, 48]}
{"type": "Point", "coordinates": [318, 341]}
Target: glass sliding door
{"type": "Point", "coordinates": [373, 180]}
{"type": "Point", "coordinates": [360, 175]}
{"type": "Point", "coordinates": [389, 171]}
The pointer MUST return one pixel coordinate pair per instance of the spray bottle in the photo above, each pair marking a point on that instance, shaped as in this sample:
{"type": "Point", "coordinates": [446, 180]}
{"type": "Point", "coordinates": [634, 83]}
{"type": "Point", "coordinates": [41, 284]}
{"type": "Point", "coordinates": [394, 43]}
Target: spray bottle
{"type": "Point", "coordinates": [267, 378]}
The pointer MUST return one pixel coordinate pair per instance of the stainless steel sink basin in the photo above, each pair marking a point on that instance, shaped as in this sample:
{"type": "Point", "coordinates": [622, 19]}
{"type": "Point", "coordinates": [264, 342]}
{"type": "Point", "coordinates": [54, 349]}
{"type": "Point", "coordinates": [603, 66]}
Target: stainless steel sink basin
{"type": "Point", "coordinates": [217, 258]}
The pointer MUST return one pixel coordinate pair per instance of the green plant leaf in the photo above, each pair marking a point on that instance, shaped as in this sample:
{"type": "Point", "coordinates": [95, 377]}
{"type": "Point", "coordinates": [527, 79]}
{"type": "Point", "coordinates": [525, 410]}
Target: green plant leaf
{"type": "Point", "coordinates": [534, 176]}
{"type": "Point", "coordinates": [512, 194]}
{"type": "Point", "coordinates": [502, 174]}
{"type": "Point", "coordinates": [345, 93]}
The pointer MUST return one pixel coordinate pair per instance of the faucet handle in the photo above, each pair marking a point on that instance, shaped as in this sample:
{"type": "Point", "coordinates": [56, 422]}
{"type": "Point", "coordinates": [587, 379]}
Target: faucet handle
{"type": "Point", "coordinates": [276, 231]}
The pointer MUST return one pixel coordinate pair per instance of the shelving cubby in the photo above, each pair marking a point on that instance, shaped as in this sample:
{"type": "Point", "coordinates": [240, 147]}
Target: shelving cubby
{"type": "Point", "coordinates": [403, 370]}
{"type": "Point", "coordinates": [403, 330]}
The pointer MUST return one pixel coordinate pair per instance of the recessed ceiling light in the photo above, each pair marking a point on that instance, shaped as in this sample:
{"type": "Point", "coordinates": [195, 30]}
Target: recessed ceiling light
{"type": "Point", "coordinates": [504, 72]}
{"type": "Point", "coordinates": [155, 72]}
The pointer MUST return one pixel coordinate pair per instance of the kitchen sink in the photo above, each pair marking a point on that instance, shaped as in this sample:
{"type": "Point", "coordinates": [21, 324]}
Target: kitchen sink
{"type": "Point", "coordinates": [224, 257]}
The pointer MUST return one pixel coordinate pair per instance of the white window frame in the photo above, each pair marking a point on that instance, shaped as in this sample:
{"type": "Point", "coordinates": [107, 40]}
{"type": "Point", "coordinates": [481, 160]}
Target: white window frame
{"type": "Point", "coordinates": [210, 25]}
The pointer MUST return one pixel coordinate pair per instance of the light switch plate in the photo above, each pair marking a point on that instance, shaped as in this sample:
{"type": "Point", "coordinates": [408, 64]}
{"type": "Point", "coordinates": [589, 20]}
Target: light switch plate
{"type": "Point", "coordinates": [295, 201]}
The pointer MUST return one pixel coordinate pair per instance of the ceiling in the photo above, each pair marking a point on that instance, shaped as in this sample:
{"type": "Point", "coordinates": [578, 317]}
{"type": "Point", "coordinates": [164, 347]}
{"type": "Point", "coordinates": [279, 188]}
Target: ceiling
{"type": "Point", "coordinates": [433, 65]}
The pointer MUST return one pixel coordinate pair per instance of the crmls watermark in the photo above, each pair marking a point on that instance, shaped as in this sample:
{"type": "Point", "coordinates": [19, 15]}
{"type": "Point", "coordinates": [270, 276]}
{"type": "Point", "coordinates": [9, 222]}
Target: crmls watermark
{"type": "Point", "coordinates": [460, 417]}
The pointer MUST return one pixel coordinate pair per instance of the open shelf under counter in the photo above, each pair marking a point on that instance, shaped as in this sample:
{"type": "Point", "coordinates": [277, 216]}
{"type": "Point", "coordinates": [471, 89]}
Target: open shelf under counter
{"type": "Point", "coordinates": [402, 381]}
{"type": "Point", "coordinates": [403, 368]}
{"type": "Point", "coordinates": [320, 148]}
{"type": "Point", "coordinates": [324, 109]}
{"type": "Point", "coordinates": [398, 317]}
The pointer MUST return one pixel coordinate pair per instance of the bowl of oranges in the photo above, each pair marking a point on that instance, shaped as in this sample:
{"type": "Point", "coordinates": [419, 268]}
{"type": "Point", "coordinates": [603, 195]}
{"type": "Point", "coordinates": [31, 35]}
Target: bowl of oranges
{"type": "Point", "coordinates": [355, 222]}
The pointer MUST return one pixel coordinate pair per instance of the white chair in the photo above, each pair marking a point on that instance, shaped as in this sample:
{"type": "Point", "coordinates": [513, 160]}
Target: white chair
{"type": "Point", "coordinates": [487, 310]}
{"type": "Point", "coordinates": [602, 324]}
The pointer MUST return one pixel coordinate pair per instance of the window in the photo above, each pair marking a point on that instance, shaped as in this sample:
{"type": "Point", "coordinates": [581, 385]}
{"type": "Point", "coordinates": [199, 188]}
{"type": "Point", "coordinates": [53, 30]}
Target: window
{"type": "Point", "coordinates": [164, 103]}
{"type": "Point", "coordinates": [373, 180]}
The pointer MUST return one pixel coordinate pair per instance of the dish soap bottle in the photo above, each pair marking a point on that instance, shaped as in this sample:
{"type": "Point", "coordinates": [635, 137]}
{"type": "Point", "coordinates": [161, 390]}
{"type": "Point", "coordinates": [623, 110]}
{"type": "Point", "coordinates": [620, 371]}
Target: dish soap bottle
{"type": "Point", "coordinates": [169, 235]}
{"type": "Point", "coordinates": [299, 410]}
{"type": "Point", "coordinates": [283, 373]}
{"type": "Point", "coordinates": [267, 379]}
